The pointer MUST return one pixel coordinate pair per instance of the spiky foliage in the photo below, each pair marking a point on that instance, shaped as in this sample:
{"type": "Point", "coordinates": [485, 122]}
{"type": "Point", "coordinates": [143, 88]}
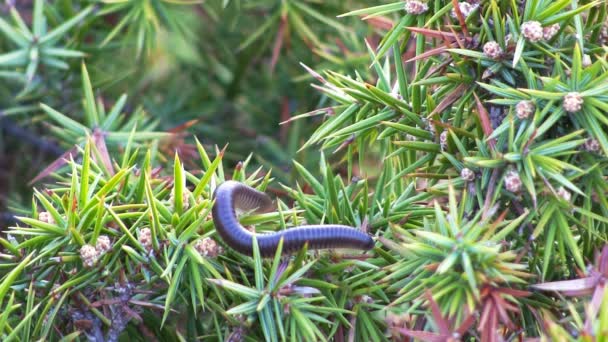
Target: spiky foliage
{"type": "Point", "coordinates": [120, 247]}
{"type": "Point", "coordinates": [455, 109]}
{"type": "Point", "coordinates": [473, 148]}
{"type": "Point", "coordinates": [36, 45]}
{"type": "Point", "coordinates": [184, 62]}
{"type": "Point", "coordinates": [457, 256]}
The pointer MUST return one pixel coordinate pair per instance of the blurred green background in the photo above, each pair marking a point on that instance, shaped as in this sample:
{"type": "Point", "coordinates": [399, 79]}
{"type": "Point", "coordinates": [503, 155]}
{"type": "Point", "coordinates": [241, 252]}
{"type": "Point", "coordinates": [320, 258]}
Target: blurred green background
{"type": "Point", "coordinates": [225, 71]}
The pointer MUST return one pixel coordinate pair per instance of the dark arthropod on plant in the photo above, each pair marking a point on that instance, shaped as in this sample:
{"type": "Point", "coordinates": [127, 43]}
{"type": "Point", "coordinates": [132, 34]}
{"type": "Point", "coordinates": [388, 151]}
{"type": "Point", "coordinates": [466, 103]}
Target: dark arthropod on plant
{"type": "Point", "coordinates": [451, 155]}
{"type": "Point", "coordinates": [231, 196]}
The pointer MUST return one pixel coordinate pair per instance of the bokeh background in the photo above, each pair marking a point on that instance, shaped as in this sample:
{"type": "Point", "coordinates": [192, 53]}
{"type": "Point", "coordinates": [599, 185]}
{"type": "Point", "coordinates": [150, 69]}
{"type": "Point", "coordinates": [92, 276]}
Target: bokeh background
{"type": "Point", "coordinates": [224, 71]}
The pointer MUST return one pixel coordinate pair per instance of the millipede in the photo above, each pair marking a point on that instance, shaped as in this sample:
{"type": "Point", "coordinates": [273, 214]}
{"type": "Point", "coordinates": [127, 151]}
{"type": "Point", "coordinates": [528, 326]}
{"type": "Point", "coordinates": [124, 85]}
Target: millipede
{"type": "Point", "coordinates": [232, 195]}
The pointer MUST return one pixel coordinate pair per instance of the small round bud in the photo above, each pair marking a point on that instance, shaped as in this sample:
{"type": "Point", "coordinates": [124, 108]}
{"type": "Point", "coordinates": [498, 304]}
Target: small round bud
{"type": "Point", "coordinates": [185, 200]}
{"type": "Point", "coordinates": [46, 217]}
{"type": "Point", "coordinates": [467, 174]}
{"type": "Point", "coordinates": [532, 31]}
{"type": "Point", "coordinates": [604, 33]}
{"type": "Point", "coordinates": [443, 140]}
{"type": "Point", "coordinates": [524, 109]}
{"type": "Point", "coordinates": [365, 299]}
{"type": "Point", "coordinates": [103, 244]}
{"type": "Point", "coordinates": [550, 31]}
{"type": "Point", "coordinates": [573, 102]}
{"type": "Point", "coordinates": [591, 145]}
{"type": "Point", "coordinates": [145, 238]}
{"type": "Point", "coordinates": [236, 335]}
{"type": "Point", "coordinates": [397, 320]}
{"type": "Point", "coordinates": [586, 60]}
{"type": "Point", "coordinates": [465, 8]}
{"type": "Point", "coordinates": [564, 194]}
{"type": "Point", "coordinates": [513, 182]}
{"type": "Point", "coordinates": [492, 50]}
{"type": "Point", "coordinates": [89, 255]}
{"type": "Point", "coordinates": [207, 247]}
{"type": "Point", "coordinates": [416, 7]}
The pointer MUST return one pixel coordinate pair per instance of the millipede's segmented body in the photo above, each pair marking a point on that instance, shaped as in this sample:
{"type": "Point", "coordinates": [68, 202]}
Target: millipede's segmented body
{"type": "Point", "coordinates": [232, 195]}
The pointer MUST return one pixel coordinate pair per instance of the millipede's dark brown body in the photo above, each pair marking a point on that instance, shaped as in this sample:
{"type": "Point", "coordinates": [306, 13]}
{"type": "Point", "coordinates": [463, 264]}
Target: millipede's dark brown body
{"type": "Point", "coordinates": [231, 195]}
